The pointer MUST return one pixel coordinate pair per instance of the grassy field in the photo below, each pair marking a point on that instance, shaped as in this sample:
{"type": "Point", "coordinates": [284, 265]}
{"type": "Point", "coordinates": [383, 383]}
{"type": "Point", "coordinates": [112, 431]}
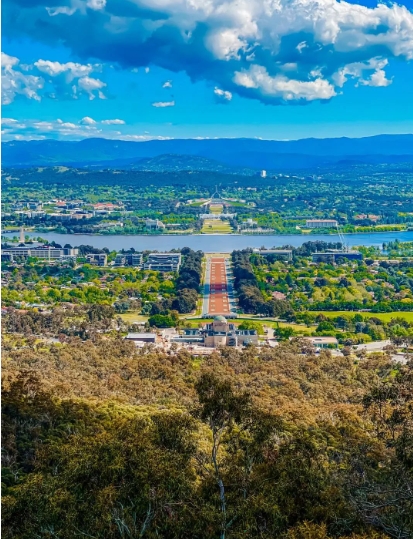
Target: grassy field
{"type": "Point", "coordinates": [216, 226]}
{"type": "Point", "coordinates": [386, 317]}
{"type": "Point", "coordinates": [298, 328]}
{"type": "Point", "coordinates": [131, 318]}
{"type": "Point", "coordinates": [197, 204]}
{"type": "Point", "coordinates": [216, 208]}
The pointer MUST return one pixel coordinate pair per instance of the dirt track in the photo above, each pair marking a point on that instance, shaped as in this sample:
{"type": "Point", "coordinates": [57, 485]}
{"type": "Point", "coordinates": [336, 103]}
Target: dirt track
{"type": "Point", "coordinates": [218, 298]}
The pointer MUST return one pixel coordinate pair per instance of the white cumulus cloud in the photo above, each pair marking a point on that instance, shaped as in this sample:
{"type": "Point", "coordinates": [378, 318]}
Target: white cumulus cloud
{"type": "Point", "coordinates": [373, 69]}
{"type": "Point", "coordinates": [113, 122]}
{"type": "Point", "coordinates": [60, 129]}
{"type": "Point", "coordinates": [280, 86]}
{"type": "Point", "coordinates": [66, 125]}
{"type": "Point", "coordinates": [55, 129]}
{"type": "Point", "coordinates": [8, 121]}
{"type": "Point", "coordinates": [7, 61]}
{"type": "Point", "coordinates": [96, 5]}
{"type": "Point", "coordinates": [17, 83]}
{"type": "Point", "coordinates": [72, 70]}
{"type": "Point", "coordinates": [90, 86]}
{"type": "Point", "coordinates": [163, 104]}
{"type": "Point", "coordinates": [45, 78]}
{"type": "Point", "coordinates": [378, 78]}
{"type": "Point", "coordinates": [87, 120]}
{"type": "Point", "coordinates": [222, 95]}
{"type": "Point", "coordinates": [277, 51]}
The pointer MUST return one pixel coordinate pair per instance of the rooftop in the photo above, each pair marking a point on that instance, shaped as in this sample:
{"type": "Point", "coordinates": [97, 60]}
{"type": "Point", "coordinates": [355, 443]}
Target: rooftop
{"type": "Point", "coordinates": [324, 340]}
{"type": "Point", "coordinates": [141, 336]}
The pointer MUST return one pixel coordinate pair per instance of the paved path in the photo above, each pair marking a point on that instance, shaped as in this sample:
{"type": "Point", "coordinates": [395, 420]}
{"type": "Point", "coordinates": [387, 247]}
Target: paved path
{"type": "Point", "coordinates": [375, 346]}
{"type": "Point", "coordinates": [218, 290]}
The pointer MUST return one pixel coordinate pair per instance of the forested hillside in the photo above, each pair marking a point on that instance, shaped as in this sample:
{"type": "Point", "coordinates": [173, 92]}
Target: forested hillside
{"type": "Point", "coordinates": [104, 440]}
{"type": "Point", "coordinates": [235, 152]}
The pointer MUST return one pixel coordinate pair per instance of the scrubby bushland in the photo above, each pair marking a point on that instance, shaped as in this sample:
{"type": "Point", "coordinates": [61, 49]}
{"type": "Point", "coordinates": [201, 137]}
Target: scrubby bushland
{"type": "Point", "coordinates": [103, 440]}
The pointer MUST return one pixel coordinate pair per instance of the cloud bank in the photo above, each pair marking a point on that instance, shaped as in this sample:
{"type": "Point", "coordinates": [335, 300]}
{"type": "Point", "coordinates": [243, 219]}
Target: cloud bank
{"type": "Point", "coordinates": [163, 104]}
{"type": "Point", "coordinates": [276, 51]}
{"type": "Point", "coordinates": [44, 78]}
{"type": "Point", "coordinates": [33, 129]}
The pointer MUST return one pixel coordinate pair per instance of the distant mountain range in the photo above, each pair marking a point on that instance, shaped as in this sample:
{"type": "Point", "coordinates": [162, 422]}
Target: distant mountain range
{"type": "Point", "coordinates": [223, 155]}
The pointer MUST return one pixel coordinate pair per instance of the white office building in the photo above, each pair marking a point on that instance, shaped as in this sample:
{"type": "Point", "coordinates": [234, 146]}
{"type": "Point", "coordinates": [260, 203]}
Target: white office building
{"type": "Point", "coordinates": [44, 252]}
{"type": "Point", "coordinates": [163, 262]}
{"type": "Point", "coordinates": [321, 223]}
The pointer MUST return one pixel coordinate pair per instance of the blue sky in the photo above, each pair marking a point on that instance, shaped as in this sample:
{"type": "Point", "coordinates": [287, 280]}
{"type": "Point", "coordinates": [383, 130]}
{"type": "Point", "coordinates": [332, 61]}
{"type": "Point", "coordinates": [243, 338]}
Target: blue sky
{"type": "Point", "coordinates": [138, 70]}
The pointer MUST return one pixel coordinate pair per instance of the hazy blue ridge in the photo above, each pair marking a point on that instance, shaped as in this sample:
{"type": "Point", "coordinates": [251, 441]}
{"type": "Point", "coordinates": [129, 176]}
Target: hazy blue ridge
{"type": "Point", "coordinates": [210, 154]}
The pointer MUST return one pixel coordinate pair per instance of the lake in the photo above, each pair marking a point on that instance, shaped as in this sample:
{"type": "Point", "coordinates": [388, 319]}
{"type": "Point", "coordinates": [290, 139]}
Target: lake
{"type": "Point", "coordinates": [212, 243]}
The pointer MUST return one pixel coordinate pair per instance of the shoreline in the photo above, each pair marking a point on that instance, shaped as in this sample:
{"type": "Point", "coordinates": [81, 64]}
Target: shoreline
{"type": "Point", "coordinates": [3, 233]}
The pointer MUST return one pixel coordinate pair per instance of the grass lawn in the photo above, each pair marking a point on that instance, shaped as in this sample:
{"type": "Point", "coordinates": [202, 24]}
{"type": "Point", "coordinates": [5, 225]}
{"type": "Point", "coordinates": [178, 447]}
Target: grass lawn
{"type": "Point", "coordinates": [216, 226]}
{"type": "Point", "coordinates": [298, 328]}
{"type": "Point", "coordinates": [386, 317]}
{"type": "Point", "coordinates": [194, 322]}
{"type": "Point", "coordinates": [239, 204]}
{"type": "Point", "coordinates": [132, 317]}
{"type": "Point", "coordinates": [216, 208]}
{"type": "Point", "coordinates": [186, 232]}
{"type": "Point", "coordinates": [197, 204]}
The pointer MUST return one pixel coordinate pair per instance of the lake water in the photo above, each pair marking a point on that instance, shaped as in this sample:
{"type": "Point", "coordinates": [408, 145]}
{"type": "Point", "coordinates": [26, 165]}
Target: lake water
{"type": "Point", "coordinates": [212, 243]}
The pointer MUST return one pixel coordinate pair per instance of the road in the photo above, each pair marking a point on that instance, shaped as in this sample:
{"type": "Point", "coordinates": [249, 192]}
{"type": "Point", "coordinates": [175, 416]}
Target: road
{"type": "Point", "coordinates": [218, 290]}
{"type": "Point", "coordinates": [376, 346]}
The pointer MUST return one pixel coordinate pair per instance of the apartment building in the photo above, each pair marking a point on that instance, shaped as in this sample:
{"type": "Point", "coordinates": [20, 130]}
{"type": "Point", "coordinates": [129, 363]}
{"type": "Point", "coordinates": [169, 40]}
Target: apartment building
{"type": "Point", "coordinates": [163, 262]}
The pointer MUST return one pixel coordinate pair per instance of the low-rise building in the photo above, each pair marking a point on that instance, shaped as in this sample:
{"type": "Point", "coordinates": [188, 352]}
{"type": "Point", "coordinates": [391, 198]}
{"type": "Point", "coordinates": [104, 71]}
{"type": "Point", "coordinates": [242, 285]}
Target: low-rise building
{"type": "Point", "coordinates": [332, 255]}
{"type": "Point", "coordinates": [222, 333]}
{"type": "Point", "coordinates": [129, 259]}
{"type": "Point", "coordinates": [217, 216]}
{"type": "Point", "coordinates": [321, 223]}
{"type": "Point", "coordinates": [107, 206]}
{"type": "Point", "coordinates": [218, 333]}
{"type": "Point", "coordinates": [97, 259]}
{"type": "Point", "coordinates": [163, 262]}
{"type": "Point", "coordinates": [71, 216]}
{"type": "Point", "coordinates": [248, 224]}
{"type": "Point", "coordinates": [154, 224]}
{"type": "Point", "coordinates": [285, 254]}
{"type": "Point", "coordinates": [120, 260]}
{"type": "Point", "coordinates": [60, 216]}
{"type": "Point", "coordinates": [141, 337]}
{"type": "Point", "coordinates": [279, 296]}
{"type": "Point", "coordinates": [45, 252]}
{"type": "Point", "coordinates": [365, 216]}
{"type": "Point", "coordinates": [81, 215]}
{"type": "Point", "coordinates": [324, 342]}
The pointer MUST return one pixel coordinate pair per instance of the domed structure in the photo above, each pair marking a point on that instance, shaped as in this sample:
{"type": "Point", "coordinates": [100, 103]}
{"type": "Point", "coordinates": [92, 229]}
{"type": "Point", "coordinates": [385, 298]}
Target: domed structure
{"type": "Point", "coordinates": [223, 333]}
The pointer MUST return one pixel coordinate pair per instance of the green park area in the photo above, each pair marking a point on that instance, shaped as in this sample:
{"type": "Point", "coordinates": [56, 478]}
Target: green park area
{"type": "Point", "coordinates": [216, 209]}
{"type": "Point", "coordinates": [299, 329]}
{"type": "Point", "coordinates": [133, 317]}
{"type": "Point", "coordinates": [216, 226]}
{"type": "Point", "coordinates": [385, 317]}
